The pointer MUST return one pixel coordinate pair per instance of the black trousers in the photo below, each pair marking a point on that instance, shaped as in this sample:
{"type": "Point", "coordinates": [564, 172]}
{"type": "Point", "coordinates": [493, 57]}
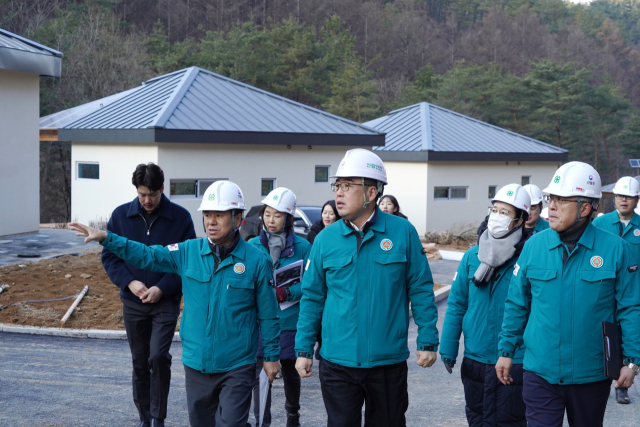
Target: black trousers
{"type": "Point", "coordinates": [150, 329]}
{"type": "Point", "coordinates": [221, 400]}
{"type": "Point", "coordinates": [291, 380]}
{"type": "Point", "coordinates": [546, 403]}
{"type": "Point", "coordinates": [382, 389]}
{"type": "Point", "coordinates": [489, 403]}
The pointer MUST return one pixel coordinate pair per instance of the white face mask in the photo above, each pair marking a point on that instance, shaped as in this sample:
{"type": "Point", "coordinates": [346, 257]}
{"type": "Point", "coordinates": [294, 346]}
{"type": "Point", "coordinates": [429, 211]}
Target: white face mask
{"type": "Point", "coordinates": [498, 225]}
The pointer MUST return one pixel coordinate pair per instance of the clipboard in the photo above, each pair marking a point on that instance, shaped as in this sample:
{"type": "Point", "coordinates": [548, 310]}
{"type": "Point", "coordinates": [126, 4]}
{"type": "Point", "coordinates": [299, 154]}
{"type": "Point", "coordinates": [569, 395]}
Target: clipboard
{"type": "Point", "coordinates": [612, 343]}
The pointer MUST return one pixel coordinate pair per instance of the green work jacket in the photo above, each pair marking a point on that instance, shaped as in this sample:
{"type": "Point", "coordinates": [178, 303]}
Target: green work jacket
{"type": "Point", "coordinates": [222, 309]}
{"type": "Point", "coordinates": [557, 310]}
{"type": "Point", "coordinates": [362, 295]}
{"type": "Point", "coordinates": [301, 250]}
{"type": "Point", "coordinates": [540, 226]}
{"type": "Point", "coordinates": [477, 312]}
{"type": "Point", "coordinates": [630, 233]}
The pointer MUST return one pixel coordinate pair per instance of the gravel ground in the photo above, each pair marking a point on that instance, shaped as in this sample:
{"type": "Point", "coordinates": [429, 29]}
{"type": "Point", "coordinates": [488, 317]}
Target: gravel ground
{"type": "Point", "coordinates": [55, 382]}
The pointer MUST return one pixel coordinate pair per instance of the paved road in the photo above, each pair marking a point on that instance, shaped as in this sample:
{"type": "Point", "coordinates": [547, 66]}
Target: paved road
{"type": "Point", "coordinates": [47, 243]}
{"type": "Point", "coordinates": [55, 382]}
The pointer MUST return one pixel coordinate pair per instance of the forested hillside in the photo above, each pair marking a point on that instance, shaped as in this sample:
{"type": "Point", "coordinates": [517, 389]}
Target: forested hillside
{"type": "Point", "coordinates": [560, 72]}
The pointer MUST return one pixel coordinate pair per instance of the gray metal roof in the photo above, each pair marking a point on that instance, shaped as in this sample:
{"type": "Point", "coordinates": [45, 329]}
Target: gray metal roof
{"type": "Point", "coordinates": [609, 187]}
{"type": "Point", "coordinates": [199, 102]}
{"type": "Point", "coordinates": [65, 117]}
{"type": "Point", "coordinates": [21, 54]}
{"type": "Point", "coordinates": [425, 131]}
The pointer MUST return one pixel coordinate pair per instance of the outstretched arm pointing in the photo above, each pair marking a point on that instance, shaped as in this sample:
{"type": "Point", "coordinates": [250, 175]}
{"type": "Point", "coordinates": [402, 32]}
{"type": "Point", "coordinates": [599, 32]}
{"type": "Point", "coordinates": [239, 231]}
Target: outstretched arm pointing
{"type": "Point", "coordinates": [90, 234]}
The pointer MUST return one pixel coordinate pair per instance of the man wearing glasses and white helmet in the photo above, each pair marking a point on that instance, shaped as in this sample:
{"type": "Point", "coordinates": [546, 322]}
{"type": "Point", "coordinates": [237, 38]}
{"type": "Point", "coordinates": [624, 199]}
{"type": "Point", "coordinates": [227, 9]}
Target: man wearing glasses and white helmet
{"type": "Point", "coordinates": [361, 274]}
{"type": "Point", "coordinates": [227, 296]}
{"type": "Point", "coordinates": [624, 222]}
{"type": "Point", "coordinates": [566, 282]}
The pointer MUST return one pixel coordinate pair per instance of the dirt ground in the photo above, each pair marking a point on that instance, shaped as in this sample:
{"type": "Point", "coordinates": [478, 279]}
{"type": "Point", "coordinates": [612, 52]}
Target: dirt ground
{"type": "Point", "coordinates": [100, 308]}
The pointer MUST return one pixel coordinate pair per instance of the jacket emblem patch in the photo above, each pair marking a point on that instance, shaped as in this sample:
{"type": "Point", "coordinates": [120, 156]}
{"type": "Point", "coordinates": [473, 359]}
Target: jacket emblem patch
{"type": "Point", "coordinates": [239, 268]}
{"type": "Point", "coordinates": [636, 232]}
{"type": "Point", "coordinates": [386, 244]}
{"type": "Point", "coordinates": [173, 247]}
{"type": "Point", "coordinates": [596, 262]}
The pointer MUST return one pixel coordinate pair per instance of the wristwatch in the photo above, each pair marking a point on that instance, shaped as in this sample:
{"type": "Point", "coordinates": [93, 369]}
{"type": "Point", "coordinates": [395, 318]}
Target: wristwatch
{"type": "Point", "coordinates": [634, 367]}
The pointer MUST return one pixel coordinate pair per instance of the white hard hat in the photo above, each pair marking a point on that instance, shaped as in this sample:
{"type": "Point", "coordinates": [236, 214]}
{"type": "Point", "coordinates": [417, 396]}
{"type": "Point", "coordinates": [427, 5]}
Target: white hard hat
{"type": "Point", "coordinates": [544, 214]}
{"type": "Point", "coordinates": [515, 195]}
{"type": "Point", "coordinates": [281, 199]}
{"type": "Point", "coordinates": [361, 163]}
{"type": "Point", "coordinates": [222, 196]}
{"type": "Point", "coordinates": [534, 193]}
{"type": "Point", "coordinates": [575, 179]}
{"type": "Point", "coordinates": [627, 186]}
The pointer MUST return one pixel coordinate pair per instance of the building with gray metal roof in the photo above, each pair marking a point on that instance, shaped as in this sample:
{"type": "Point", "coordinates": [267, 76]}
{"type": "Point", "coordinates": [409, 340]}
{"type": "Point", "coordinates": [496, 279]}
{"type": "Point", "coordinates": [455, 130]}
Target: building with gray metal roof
{"type": "Point", "coordinates": [20, 54]}
{"type": "Point", "coordinates": [427, 132]}
{"type": "Point", "coordinates": [196, 105]}
{"type": "Point", "coordinates": [201, 127]}
{"type": "Point", "coordinates": [22, 62]}
{"type": "Point", "coordinates": [445, 167]}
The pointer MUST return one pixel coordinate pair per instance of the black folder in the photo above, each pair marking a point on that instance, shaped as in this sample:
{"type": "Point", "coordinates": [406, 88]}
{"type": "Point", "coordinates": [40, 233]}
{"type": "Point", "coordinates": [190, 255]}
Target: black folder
{"type": "Point", "coordinates": [612, 341]}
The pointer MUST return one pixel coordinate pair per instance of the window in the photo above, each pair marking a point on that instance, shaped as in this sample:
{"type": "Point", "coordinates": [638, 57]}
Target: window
{"type": "Point", "coordinates": [183, 187]}
{"type": "Point", "coordinates": [191, 187]}
{"type": "Point", "coordinates": [322, 173]}
{"type": "Point", "coordinates": [492, 191]}
{"type": "Point", "coordinates": [88, 170]}
{"type": "Point", "coordinates": [526, 180]}
{"type": "Point", "coordinates": [450, 193]}
{"type": "Point", "coordinates": [267, 186]}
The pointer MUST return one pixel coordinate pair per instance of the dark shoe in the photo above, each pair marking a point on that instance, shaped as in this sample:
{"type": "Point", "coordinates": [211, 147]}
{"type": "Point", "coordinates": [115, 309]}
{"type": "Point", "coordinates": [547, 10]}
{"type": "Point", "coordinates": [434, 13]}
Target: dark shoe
{"type": "Point", "coordinates": [293, 420]}
{"type": "Point", "coordinates": [157, 423]}
{"type": "Point", "coordinates": [622, 396]}
{"type": "Point", "coordinates": [144, 424]}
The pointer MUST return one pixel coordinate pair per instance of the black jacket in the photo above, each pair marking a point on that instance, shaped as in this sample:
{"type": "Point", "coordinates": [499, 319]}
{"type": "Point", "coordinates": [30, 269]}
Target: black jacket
{"type": "Point", "coordinates": [316, 228]}
{"type": "Point", "coordinates": [172, 224]}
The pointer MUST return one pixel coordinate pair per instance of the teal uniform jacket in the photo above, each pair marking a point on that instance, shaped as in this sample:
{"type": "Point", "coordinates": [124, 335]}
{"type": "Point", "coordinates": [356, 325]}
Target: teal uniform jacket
{"type": "Point", "coordinates": [477, 312]}
{"type": "Point", "coordinates": [222, 309]}
{"type": "Point", "coordinates": [362, 295]}
{"type": "Point", "coordinates": [557, 311]}
{"type": "Point", "coordinates": [540, 226]}
{"type": "Point", "coordinates": [630, 233]}
{"type": "Point", "coordinates": [301, 250]}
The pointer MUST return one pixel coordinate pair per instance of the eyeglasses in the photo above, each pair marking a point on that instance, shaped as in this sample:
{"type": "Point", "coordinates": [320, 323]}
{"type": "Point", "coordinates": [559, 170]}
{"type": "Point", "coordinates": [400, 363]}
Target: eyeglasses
{"type": "Point", "coordinates": [502, 212]}
{"type": "Point", "coordinates": [560, 201]}
{"type": "Point", "coordinates": [344, 186]}
{"type": "Point", "coordinates": [622, 197]}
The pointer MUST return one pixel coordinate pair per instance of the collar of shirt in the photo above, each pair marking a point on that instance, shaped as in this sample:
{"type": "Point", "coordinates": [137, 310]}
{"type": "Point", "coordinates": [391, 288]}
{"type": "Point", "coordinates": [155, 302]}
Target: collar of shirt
{"type": "Point", "coordinates": [370, 220]}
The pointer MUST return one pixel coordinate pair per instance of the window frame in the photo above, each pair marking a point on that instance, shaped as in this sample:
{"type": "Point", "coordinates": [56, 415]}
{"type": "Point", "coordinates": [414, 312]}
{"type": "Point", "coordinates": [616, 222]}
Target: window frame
{"type": "Point", "coordinates": [315, 180]}
{"type": "Point", "coordinates": [522, 180]}
{"type": "Point", "coordinates": [273, 185]}
{"type": "Point", "coordinates": [495, 190]}
{"type": "Point", "coordinates": [449, 198]}
{"type": "Point", "coordinates": [78, 163]}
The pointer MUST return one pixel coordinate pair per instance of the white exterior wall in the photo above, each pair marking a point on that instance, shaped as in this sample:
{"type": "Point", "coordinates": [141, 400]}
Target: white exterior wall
{"type": "Point", "coordinates": [247, 165]}
{"type": "Point", "coordinates": [408, 183]}
{"type": "Point", "coordinates": [19, 153]}
{"type": "Point", "coordinates": [413, 184]}
{"type": "Point", "coordinates": [95, 199]}
{"type": "Point", "coordinates": [464, 214]}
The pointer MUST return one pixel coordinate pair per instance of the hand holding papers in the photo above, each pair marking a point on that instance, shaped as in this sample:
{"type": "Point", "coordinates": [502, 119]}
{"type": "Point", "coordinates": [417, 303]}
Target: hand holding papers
{"type": "Point", "coordinates": [287, 276]}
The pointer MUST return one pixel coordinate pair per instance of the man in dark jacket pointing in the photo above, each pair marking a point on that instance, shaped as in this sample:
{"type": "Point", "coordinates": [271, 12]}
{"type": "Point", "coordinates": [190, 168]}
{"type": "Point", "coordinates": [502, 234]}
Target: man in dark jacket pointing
{"type": "Point", "coordinates": [151, 301]}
